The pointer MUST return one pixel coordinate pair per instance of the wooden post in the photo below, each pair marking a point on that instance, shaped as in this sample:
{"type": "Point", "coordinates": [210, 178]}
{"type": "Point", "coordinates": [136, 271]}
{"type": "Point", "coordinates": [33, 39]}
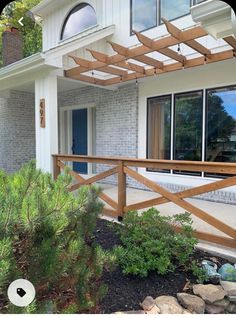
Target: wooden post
{"type": "Point", "coordinates": [121, 190]}
{"type": "Point", "coordinates": [56, 168]}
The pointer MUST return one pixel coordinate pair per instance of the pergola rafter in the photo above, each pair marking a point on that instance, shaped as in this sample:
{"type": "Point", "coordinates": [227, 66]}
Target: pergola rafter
{"type": "Point", "coordinates": [122, 66]}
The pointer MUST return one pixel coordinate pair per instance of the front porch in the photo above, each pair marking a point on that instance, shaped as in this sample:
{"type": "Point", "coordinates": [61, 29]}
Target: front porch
{"type": "Point", "coordinates": [213, 222]}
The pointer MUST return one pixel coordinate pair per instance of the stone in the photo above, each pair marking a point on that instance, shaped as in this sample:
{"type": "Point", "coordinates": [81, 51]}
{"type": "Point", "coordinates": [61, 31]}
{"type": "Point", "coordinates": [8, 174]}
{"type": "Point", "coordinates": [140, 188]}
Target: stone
{"type": "Point", "coordinates": [168, 305]}
{"type": "Point", "coordinates": [191, 302]}
{"type": "Point", "coordinates": [148, 303]}
{"type": "Point", "coordinates": [231, 308]}
{"type": "Point", "coordinates": [229, 287]}
{"type": "Point", "coordinates": [209, 293]}
{"type": "Point", "coordinates": [155, 310]}
{"type": "Point", "coordinates": [212, 309]}
{"type": "Point", "coordinates": [132, 312]}
{"type": "Point", "coordinates": [222, 303]}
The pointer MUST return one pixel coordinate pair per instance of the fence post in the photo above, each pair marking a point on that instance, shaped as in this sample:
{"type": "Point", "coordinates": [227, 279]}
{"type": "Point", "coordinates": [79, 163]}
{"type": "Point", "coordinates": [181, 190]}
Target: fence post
{"type": "Point", "coordinates": [121, 190]}
{"type": "Point", "coordinates": [56, 168]}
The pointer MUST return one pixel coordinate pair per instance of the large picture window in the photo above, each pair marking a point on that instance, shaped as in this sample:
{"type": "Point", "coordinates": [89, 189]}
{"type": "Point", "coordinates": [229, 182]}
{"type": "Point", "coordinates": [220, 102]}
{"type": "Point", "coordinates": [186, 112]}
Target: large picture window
{"type": "Point", "coordinates": [194, 137]}
{"type": "Point", "coordinates": [143, 14]}
{"type": "Point", "coordinates": [159, 127]}
{"type": "Point", "coordinates": [188, 126]}
{"type": "Point", "coordinates": [221, 125]}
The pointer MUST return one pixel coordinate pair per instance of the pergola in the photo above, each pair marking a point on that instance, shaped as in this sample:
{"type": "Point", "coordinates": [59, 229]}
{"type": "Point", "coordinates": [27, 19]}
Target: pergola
{"type": "Point", "coordinates": [130, 64]}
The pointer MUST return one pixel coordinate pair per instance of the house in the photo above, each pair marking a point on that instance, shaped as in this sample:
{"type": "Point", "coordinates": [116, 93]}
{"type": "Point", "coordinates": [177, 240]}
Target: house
{"type": "Point", "coordinates": [169, 101]}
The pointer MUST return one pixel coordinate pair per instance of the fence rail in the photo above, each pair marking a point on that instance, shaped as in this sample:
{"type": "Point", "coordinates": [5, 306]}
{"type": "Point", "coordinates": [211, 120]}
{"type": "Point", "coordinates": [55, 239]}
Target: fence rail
{"type": "Point", "coordinates": [124, 167]}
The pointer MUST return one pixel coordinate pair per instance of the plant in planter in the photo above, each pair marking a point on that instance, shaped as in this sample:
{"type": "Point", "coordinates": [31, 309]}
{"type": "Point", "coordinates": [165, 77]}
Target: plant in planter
{"type": "Point", "coordinates": [46, 236]}
{"type": "Point", "coordinates": [150, 242]}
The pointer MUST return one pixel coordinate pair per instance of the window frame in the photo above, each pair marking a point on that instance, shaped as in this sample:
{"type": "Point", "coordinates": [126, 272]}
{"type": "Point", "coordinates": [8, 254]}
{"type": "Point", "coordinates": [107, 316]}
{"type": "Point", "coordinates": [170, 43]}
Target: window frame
{"type": "Point", "coordinates": [131, 19]}
{"type": "Point", "coordinates": [205, 174]}
{"type": "Point", "coordinates": [147, 128]}
{"type": "Point", "coordinates": [69, 13]}
{"type": "Point", "coordinates": [175, 95]}
{"type": "Point", "coordinates": [172, 96]}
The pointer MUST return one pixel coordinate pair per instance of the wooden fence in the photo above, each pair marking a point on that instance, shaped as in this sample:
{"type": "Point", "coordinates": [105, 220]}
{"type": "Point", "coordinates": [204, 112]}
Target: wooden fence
{"type": "Point", "coordinates": [124, 167]}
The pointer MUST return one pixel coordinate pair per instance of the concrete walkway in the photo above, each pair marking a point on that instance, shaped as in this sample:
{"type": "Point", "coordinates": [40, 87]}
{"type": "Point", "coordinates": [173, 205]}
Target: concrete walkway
{"type": "Point", "coordinates": [224, 212]}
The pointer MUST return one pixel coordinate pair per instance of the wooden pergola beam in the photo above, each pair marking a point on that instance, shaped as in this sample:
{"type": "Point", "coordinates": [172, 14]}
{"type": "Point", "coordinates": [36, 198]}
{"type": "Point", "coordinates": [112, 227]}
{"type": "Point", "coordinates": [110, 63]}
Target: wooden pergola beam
{"type": "Point", "coordinates": [100, 66]}
{"type": "Point", "coordinates": [146, 41]}
{"type": "Point", "coordinates": [231, 41]}
{"type": "Point", "coordinates": [179, 35]}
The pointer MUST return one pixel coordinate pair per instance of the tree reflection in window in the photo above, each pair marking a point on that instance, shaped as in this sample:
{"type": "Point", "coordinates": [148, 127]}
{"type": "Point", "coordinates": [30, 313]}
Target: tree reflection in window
{"type": "Point", "coordinates": [221, 125]}
{"type": "Point", "coordinates": [82, 17]}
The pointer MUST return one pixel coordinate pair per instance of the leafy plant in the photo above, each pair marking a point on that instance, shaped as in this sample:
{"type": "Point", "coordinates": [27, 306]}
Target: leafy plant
{"type": "Point", "coordinates": [46, 237]}
{"type": "Point", "coordinates": [199, 273]}
{"type": "Point", "coordinates": [150, 242]}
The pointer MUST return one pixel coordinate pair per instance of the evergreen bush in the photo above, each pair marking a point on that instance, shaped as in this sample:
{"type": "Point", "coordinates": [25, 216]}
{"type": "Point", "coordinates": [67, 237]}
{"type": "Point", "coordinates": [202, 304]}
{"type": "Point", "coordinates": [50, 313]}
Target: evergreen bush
{"type": "Point", "coordinates": [150, 242]}
{"type": "Point", "coordinates": [46, 236]}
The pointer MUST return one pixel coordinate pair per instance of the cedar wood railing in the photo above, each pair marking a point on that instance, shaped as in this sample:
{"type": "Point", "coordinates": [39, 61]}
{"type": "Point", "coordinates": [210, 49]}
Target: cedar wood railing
{"type": "Point", "coordinates": [123, 167]}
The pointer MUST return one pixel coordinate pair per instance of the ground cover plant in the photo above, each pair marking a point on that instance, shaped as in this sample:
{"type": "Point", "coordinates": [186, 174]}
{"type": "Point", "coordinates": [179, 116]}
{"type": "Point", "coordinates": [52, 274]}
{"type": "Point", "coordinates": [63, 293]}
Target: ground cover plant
{"type": "Point", "coordinates": [46, 236]}
{"type": "Point", "coordinates": [151, 243]}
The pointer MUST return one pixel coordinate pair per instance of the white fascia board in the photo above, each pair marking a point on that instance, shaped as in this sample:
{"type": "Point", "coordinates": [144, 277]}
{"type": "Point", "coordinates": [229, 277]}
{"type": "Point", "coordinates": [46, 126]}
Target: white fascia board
{"type": "Point", "coordinates": [54, 56]}
{"type": "Point", "coordinates": [214, 16]}
{"type": "Point", "coordinates": [23, 71]}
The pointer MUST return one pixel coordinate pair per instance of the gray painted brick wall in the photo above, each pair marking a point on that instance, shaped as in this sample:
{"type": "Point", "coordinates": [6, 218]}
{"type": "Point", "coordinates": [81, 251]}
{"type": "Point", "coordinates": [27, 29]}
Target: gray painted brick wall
{"type": "Point", "coordinates": [17, 130]}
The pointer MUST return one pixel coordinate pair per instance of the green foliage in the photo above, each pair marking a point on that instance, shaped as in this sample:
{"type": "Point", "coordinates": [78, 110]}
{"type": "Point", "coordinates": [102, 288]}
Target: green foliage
{"type": "Point", "coordinates": [151, 244]}
{"type": "Point", "coordinates": [31, 32]}
{"type": "Point", "coordinates": [46, 236]}
{"type": "Point", "coordinates": [199, 273]}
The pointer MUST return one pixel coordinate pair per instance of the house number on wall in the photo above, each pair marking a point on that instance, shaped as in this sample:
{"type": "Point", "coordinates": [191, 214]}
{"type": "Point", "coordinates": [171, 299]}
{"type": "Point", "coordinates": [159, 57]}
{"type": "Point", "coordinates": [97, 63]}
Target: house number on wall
{"type": "Point", "coordinates": [42, 113]}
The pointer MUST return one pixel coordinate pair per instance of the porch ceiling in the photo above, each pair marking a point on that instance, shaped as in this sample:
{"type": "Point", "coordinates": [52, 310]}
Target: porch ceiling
{"type": "Point", "coordinates": [151, 57]}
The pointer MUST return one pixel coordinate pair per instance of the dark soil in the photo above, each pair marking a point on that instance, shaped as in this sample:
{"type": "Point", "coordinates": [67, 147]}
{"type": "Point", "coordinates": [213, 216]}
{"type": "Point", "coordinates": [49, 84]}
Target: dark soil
{"type": "Point", "coordinates": [125, 292]}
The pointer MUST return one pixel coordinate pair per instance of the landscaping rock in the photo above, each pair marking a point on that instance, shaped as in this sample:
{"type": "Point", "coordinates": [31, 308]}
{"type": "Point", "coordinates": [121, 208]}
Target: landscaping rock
{"type": "Point", "coordinates": [148, 303]}
{"type": "Point", "coordinates": [212, 309]}
{"type": "Point", "coordinates": [209, 293]}
{"type": "Point", "coordinates": [168, 305]}
{"type": "Point", "coordinates": [222, 303]}
{"type": "Point", "coordinates": [229, 287]}
{"type": "Point", "coordinates": [155, 310]}
{"type": "Point", "coordinates": [231, 308]}
{"type": "Point", "coordinates": [192, 303]}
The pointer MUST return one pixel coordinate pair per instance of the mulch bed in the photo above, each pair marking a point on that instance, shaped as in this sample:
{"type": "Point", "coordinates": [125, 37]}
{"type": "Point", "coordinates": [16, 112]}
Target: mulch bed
{"type": "Point", "coordinates": [125, 292]}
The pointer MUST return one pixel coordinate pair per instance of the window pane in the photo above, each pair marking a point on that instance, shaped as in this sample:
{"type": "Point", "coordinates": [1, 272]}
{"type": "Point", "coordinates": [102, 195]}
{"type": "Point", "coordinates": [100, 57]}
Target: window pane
{"type": "Point", "coordinates": [159, 127]}
{"type": "Point", "coordinates": [221, 125]}
{"type": "Point", "coordinates": [188, 127]}
{"type": "Point", "coordinates": [80, 18]}
{"type": "Point", "coordinates": [144, 14]}
{"type": "Point", "coordinates": [172, 9]}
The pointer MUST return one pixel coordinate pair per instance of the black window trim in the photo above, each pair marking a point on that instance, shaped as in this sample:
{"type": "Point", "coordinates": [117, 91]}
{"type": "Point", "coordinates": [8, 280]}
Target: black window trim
{"type": "Point", "coordinates": [174, 132]}
{"type": "Point", "coordinates": [147, 127]}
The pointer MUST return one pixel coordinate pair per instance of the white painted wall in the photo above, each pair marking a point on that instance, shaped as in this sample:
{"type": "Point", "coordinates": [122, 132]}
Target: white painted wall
{"type": "Point", "coordinates": [46, 138]}
{"type": "Point", "coordinates": [208, 76]}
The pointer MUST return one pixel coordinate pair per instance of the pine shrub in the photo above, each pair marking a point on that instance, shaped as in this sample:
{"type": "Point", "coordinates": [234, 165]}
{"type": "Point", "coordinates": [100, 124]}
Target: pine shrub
{"type": "Point", "coordinates": [150, 242]}
{"type": "Point", "coordinates": [46, 236]}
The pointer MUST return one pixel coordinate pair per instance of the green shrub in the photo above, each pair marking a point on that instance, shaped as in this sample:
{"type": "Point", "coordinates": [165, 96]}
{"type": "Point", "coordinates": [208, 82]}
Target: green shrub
{"type": "Point", "coordinates": [46, 236]}
{"type": "Point", "coordinates": [150, 242]}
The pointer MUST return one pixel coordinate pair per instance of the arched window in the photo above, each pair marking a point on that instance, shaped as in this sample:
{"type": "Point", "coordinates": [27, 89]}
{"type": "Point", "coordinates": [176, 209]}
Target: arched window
{"type": "Point", "coordinates": [79, 19]}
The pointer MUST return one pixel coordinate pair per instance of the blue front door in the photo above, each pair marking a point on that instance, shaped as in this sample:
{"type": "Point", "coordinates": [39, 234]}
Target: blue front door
{"type": "Point", "coordinates": [80, 138]}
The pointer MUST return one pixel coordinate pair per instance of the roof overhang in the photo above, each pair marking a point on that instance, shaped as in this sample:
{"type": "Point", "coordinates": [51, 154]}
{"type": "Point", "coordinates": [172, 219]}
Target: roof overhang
{"type": "Point", "coordinates": [216, 17]}
{"type": "Point", "coordinates": [23, 71]}
{"type": "Point", "coordinates": [46, 6]}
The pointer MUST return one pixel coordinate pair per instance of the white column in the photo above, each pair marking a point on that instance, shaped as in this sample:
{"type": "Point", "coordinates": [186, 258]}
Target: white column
{"type": "Point", "coordinates": [46, 138]}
